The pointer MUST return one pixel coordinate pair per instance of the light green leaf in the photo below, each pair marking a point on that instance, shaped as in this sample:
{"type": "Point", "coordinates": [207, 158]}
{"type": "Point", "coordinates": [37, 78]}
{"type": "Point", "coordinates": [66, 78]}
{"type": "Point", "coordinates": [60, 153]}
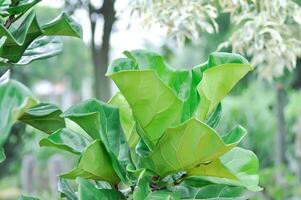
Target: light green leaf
{"type": "Point", "coordinates": [94, 164]}
{"type": "Point", "coordinates": [188, 145]}
{"type": "Point", "coordinates": [45, 117]}
{"type": "Point", "coordinates": [217, 81]}
{"type": "Point", "coordinates": [126, 118]}
{"type": "Point", "coordinates": [67, 140]}
{"type": "Point", "coordinates": [155, 106]}
{"type": "Point", "coordinates": [101, 121]}
{"type": "Point", "coordinates": [15, 99]}
{"type": "Point", "coordinates": [66, 190]}
{"type": "Point", "coordinates": [88, 191]}
{"type": "Point", "coordinates": [239, 167]}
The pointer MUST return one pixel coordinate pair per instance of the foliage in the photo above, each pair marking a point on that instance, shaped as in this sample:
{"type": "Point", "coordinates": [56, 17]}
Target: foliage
{"type": "Point", "coordinates": [155, 138]}
{"type": "Point", "coordinates": [24, 39]}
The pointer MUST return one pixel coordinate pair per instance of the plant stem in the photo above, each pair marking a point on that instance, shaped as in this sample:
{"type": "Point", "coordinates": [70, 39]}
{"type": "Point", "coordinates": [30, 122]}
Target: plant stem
{"type": "Point", "coordinates": [11, 18]}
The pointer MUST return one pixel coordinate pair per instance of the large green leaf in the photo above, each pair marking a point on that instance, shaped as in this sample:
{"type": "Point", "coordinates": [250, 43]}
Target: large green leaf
{"type": "Point", "coordinates": [15, 99]}
{"type": "Point", "coordinates": [18, 40]}
{"type": "Point", "coordinates": [94, 164]}
{"type": "Point", "coordinates": [222, 73]}
{"type": "Point", "coordinates": [101, 121]}
{"type": "Point", "coordinates": [188, 145]}
{"type": "Point", "coordinates": [41, 48]}
{"type": "Point", "coordinates": [126, 118]}
{"type": "Point", "coordinates": [88, 191]}
{"type": "Point", "coordinates": [67, 140]}
{"type": "Point", "coordinates": [45, 117]}
{"type": "Point", "coordinates": [155, 106]}
{"type": "Point", "coordinates": [239, 167]}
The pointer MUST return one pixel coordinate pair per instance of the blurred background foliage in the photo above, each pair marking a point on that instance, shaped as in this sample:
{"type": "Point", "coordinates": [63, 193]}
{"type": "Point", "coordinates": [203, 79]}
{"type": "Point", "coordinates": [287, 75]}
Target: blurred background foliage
{"type": "Point", "coordinates": [69, 77]}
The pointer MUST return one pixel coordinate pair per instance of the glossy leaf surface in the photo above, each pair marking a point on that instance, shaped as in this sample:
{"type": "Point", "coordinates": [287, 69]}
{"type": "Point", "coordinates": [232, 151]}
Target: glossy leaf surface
{"type": "Point", "coordinates": [88, 191]}
{"type": "Point", "coordinates": [45, 117]}
{"type": "Point", "coordinates": [238, 167]}
{"type": "Point", "coordinates": [67, 140]}
{"type": "Point", "coordinates": [188, 145]}
{"type": "Point", "coordinates": [94, 164]}
{"type": "Point", "coordinates": [101, 121]}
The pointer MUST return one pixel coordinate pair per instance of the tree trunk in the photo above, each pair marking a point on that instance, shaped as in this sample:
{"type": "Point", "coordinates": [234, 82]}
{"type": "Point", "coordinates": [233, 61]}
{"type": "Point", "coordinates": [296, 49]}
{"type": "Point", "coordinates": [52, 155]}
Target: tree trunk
{"type": "Point", "coordinates": [100, 55]}
{"type": "Point", "coordinates": [280, 137]}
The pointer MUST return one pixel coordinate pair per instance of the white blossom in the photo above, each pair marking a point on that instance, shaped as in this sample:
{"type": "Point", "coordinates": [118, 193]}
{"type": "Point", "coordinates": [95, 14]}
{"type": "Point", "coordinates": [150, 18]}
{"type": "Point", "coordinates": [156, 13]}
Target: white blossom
{"type": "Point", "coordinates": [267, 31]}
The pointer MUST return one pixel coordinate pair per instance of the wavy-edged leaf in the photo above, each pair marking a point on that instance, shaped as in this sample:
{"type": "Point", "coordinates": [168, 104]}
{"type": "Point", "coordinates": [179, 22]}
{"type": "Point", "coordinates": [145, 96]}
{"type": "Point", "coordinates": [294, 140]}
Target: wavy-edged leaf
{"type": "Point", "coordinates": [66, 190]}
{"type": "Point", "coordinates": [126, 119]}
{"type": "Point", "coordinates": [155, 106]}
{"type": "Point", "coordinates": [67, 140]}
{"type": "Point", "coordinates": [18, 40]}
{"type": "Point", "coordinates": [94, 163]}
{"type": "Point", "coordinates": [223, 72]}
{"type": "Point", "coordinates": [101, 121]}
{"type": "Point", "coordinates": [88, 191]}
{"type": "Point", "coordinates": [44, 117]}
{"type": "Point", "coordinates": [41, 48]}
{"type": "Point", "coordinates": [188, 145]}
{"type": "Point", "coordinates": [64, 26]}
{"type": "Point", "coordinates": [15, 99]}
{"type": "Point", "coordinates": [238, 167]}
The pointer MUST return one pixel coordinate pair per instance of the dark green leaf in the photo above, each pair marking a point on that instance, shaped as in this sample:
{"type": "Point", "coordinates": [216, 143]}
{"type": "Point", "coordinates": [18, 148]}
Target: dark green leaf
{"type": "Point", "coordinates": [101, 121]}
{"type": "Point", "coordinates": [18, 40]}
{"type": "Point", "coordinates": [45, 117]}
{"type": "Point", "coordinates": [41, 48]}
{"type": "Point", "coordinates": [88, 191]}
{"type": "Point", "coordinates": [67, 140]}
{"type": "Point", "coordinates": [20, 8]}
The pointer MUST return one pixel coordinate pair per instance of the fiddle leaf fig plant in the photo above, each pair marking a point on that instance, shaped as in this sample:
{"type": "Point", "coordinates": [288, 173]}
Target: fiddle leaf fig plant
{"type": "Point", "coordinates": [23, 39]}
{"type": "Point", "coordinates": [155, 138]}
